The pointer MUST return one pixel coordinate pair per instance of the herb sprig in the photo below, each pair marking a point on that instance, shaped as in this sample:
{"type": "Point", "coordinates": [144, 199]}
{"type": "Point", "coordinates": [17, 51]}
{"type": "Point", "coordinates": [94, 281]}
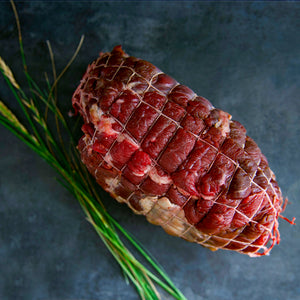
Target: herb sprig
{"type": "Point", "coordinates": [64, 158]}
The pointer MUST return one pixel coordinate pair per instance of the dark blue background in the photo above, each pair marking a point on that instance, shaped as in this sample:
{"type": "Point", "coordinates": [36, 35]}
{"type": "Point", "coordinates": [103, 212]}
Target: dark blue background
{"type": "Point", "coordinates": [243, 56]}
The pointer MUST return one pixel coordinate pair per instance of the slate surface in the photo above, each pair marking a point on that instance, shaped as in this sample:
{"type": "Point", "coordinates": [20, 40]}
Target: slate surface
{"type": "Point", "coordinates": [242, 56]}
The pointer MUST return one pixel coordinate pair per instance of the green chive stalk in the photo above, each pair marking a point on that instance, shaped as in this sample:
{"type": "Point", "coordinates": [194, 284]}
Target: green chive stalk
{"type": "Point", "coordinates": [73, 175]}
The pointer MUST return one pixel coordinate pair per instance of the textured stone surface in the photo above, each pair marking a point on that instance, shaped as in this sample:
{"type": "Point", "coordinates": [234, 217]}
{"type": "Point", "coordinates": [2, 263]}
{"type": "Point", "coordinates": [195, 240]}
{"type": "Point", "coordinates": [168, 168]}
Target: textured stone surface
{"type": "Point", "coordinates": [244, 57]}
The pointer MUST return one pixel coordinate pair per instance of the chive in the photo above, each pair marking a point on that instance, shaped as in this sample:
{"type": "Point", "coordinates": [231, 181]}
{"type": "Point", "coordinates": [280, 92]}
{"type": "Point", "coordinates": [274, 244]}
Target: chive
{"type": "Point", "coordinates": [74, 176]}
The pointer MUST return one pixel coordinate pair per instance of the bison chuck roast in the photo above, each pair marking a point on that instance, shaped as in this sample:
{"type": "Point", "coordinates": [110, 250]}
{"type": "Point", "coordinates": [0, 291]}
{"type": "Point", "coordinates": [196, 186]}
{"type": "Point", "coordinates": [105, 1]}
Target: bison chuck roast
{"type": "Point", "coordinates": [171, 156]}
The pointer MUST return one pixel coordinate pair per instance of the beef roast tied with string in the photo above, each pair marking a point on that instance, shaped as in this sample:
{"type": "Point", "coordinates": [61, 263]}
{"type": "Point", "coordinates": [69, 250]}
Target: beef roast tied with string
{"type": "Point", "coordinates": [172, 156]}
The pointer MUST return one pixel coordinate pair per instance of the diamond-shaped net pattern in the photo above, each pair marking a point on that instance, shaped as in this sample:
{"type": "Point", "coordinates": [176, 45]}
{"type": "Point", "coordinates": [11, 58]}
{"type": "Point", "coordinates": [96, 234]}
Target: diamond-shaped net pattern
{"type": "Point", "coordinates": [171, 156]}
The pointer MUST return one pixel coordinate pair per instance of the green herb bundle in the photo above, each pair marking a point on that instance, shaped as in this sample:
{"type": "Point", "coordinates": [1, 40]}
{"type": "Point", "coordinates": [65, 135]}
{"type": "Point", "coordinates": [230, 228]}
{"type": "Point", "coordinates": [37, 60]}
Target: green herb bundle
{"type": "Point", "coordinates": [64, 158]}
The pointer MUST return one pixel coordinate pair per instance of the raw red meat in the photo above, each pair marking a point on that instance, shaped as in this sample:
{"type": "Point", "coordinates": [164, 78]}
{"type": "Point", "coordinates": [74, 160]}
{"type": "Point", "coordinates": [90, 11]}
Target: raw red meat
{"type": "Point", "coordinates": [171, 156]}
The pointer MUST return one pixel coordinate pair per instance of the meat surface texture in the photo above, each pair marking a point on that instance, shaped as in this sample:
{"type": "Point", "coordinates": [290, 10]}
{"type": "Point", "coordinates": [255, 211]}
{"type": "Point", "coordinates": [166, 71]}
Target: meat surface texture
{"type": "Point", "coordinates": [171, 156]}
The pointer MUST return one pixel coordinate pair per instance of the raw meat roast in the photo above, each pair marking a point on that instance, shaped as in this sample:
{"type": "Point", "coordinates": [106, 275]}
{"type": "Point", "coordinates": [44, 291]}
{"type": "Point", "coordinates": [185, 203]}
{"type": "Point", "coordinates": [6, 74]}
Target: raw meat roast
{"type": "Point", "coordinates": [171, 156]}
